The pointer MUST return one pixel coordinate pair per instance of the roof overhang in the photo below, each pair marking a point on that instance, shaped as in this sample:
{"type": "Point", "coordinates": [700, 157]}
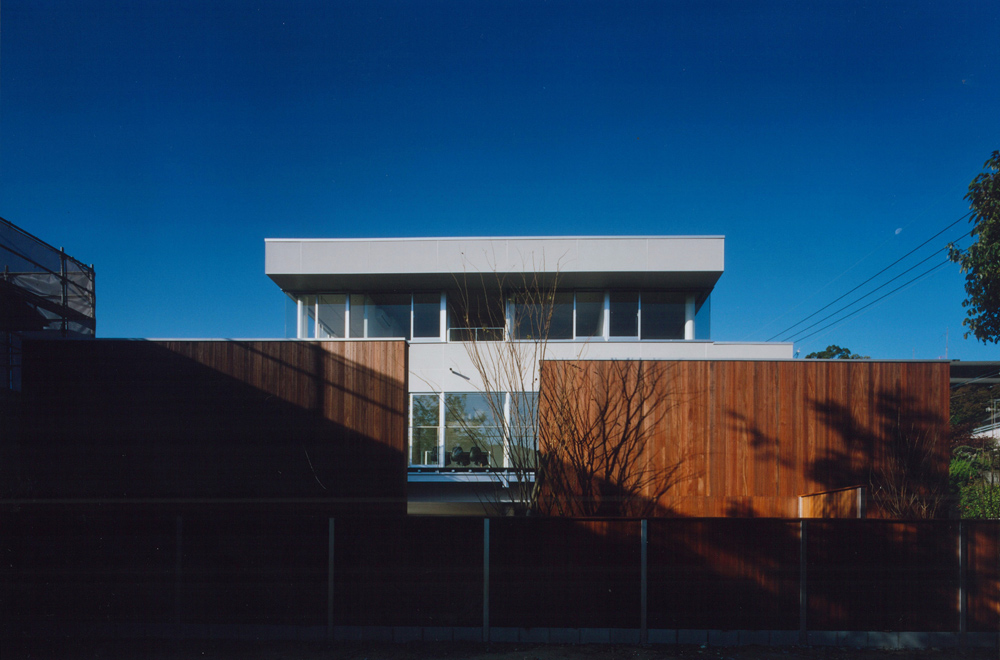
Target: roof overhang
{"type": "Point", "coordinates": [980, 373]}
{"type": "Point", "coordinates": [641, 262]}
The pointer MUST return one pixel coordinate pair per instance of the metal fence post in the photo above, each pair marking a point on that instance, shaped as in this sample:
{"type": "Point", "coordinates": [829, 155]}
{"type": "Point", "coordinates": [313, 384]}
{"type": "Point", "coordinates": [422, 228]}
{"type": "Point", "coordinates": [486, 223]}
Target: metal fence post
{"type": "Point", "coordinates": [643, 623]}
{"type": "Point", "coordinates": [486, 579]}
{"type": "Point", "coordinates": [329, 582]}
{"type": "Point", "coordinates": [963, 595]}
{"type": "Point", "coordinates": [803, 594]}
{"type": "Point", "coordinates": [178, 565]}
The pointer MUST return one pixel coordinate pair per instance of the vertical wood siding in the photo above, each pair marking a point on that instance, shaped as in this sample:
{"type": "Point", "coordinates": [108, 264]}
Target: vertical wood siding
{"type": "Point", "coordinates": [215, 419]}
{"type": "Point", "coordinates": [741, 438]}
{"type": "Point", "coordinates": [840, 503]}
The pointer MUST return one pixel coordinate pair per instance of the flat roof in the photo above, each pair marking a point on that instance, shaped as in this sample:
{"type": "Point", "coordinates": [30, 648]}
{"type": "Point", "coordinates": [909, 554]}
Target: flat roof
{"type": "Point", "coordinates": [578, 261]}
{"type": "Point", "coordinates": [975, 372]}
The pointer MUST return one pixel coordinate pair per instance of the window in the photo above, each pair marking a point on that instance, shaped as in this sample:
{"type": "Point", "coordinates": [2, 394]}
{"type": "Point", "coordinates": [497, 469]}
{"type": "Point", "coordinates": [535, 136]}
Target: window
{"type": "Point", "coordinates": [472, 433]}
{"type": "Point", "coordinates": [662, 315]}
{"type": "Point", "coordinates": [547, 315]}
{"type": "Point", "coordinates": [425, 417]}
{"type": "Point", "coordinates": [427, 315]}
{"type": "Point", "coordinates": [703, 319]}
{"type": "Point", "coordinates": [475, 317]}
{"type": "Point", "coordinates": [465, 430]}
{"type": "Point", "coordinates": [589, 313]}
{"type": "Point", "coordinates": [624, 308]}
{"type": "Point", "coordinates": [331, 312]}
{"type": "Point", "coordinates": [387, 315]}
{"type": "Point", "coordinates": [373, 315]}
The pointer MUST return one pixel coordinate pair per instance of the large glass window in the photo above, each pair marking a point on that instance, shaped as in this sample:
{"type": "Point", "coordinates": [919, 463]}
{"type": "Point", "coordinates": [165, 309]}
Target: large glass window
{"type": "Point", "coordinates": [543, 315]}
{"type": "Point", "coordinates": [662, 315]}
{"type": "Point", "coordinates": [475, 317]}
{"type": "Point", "coordinates": [388, 315]}
{"type": "Point", "coordinates": [357, 315]}
{"type": "Point", "coordinates": [331, 316]}
{"type": "Point", "coordinates": [472, 434]}
{"type": "Point", "coordinates": [703, 319]}
{"type": "Point", "coordinates": [307, 322]}
{"type": "Point", "coordinates": [425, 417]}
{"type": "Point", "coordinates": [427, 315]}
{"type": "Point", "coordinates": [589, 313]}
{"type": "Point", "coordinates": [624, 308]}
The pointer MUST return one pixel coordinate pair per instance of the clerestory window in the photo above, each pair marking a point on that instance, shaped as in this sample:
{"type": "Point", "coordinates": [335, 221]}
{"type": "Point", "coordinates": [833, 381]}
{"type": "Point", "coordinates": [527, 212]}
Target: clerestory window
{"type": "Point", "coordinates": [370, 315]}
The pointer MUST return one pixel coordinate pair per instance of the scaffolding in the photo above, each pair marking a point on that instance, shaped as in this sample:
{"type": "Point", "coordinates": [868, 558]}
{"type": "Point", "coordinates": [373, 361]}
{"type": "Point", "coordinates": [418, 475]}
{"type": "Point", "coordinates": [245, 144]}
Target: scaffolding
{"type": "Point", "coordinates": [44, 292]}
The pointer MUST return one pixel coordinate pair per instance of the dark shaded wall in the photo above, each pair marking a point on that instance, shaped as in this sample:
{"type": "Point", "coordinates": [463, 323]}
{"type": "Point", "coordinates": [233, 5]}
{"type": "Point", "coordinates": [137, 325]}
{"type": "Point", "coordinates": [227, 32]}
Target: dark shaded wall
{"type": "Point", "coordinates": [209, 420]}
{"type": "Point", "coordinates": [739, 438]}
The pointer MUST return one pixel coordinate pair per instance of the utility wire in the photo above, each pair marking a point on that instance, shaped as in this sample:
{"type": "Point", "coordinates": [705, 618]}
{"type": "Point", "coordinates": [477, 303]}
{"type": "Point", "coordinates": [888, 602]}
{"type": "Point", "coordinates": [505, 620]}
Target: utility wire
{"type": "Point", "coordinates": [901, 286]}
{"type": "Point", "coordinates": [871, 278]}
{"type": "Point", "coordinates": [857, 300]}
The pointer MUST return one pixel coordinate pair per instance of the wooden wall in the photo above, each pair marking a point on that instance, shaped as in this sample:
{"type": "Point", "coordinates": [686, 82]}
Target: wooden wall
{"type": "Point", "coordinates": [839, 503]}
{"type": "Point", "coordinates": [262, 420]}
{"type": "Point", "coordinates": [737, 438]}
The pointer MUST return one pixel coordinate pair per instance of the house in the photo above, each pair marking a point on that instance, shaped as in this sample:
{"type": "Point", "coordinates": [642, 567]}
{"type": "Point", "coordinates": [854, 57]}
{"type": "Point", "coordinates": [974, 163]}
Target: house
{"type": "Point", "coordinates": [259, 488]}
{"type": "Point", "coordinates": [432, 376]}
{"type": "Point", "coordinates": [482, 316]}
{"type": "Point", "coordinates": [459, 301]}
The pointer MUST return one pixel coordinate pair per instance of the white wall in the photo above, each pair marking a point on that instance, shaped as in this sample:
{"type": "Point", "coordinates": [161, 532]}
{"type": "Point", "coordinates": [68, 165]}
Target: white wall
{"type": "Point", "coordinates": [446, 367]}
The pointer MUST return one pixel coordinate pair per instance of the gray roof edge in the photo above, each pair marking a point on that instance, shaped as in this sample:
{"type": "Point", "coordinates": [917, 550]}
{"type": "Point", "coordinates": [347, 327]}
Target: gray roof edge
{"type": "Point", "coordinates": [499, 238]}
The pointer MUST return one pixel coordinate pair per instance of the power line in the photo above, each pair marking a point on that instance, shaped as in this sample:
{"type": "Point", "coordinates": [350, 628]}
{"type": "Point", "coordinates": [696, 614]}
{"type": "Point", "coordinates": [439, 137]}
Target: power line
{"type": "Point", "coordinates": [857, 300]}
{"type": "Point", "coordinates": [832, 302]}
{"type": "Point", "coordinates": [901, 286]}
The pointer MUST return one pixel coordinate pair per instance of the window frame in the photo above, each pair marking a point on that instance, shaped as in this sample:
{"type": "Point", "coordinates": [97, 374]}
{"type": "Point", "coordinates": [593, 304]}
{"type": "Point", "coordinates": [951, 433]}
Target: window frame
{"type": "Point", "coordinates": [308, 325]}
{"type": "Point", "coordinates": [505, 432]}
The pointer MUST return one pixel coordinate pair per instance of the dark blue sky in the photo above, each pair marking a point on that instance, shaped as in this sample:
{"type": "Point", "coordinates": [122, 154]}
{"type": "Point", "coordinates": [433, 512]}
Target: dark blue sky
{"type": "Point", "coordinates": [163, 141]}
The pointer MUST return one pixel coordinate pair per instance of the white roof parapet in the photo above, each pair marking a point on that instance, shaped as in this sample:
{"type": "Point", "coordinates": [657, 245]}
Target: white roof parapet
{"type": "Point", "coordinates": [581, 261]}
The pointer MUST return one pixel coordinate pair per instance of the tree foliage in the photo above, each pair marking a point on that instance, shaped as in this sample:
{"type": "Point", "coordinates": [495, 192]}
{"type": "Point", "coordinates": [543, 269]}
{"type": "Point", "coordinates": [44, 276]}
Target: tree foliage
{"type": "Point", "coordinates": [969, 404]}
{"type": "Point", "coordinates": [974, 481]}
{"type": "Point", "coordinates": [834, 352]}
{"type": "Point", "coordinates": [981, 261]}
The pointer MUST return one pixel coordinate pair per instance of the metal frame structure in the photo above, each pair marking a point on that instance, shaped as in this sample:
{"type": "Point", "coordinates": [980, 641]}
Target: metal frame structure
{"type": "Point", "coordinates": [45, 293]}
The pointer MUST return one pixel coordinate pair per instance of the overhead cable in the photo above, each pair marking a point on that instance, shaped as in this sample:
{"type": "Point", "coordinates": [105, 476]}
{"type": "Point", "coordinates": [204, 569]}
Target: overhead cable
{"type": "Point", "coordinates": [882, 297]}
{"type": "Point", "coordinates": [871, 278]}
{"type": "Point", "coordinates": [857, 300]}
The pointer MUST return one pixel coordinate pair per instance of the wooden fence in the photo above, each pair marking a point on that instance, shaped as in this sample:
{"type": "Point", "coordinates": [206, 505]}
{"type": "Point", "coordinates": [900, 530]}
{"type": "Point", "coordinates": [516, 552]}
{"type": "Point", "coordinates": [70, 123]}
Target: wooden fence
{"type": "Point", "coordinates": [291, 571]}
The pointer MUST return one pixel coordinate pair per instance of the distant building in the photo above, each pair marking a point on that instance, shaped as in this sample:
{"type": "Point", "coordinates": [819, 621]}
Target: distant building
{"type": "Point", "coordinates": [44, 292]}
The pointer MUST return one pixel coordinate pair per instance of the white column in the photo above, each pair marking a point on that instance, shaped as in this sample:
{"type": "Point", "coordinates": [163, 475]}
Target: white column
{"type": "Point", "coordinates": [444, 316]}
{"type": "Point", "coordinates": [689, 316]}
{"type": "Point", "coordinates": [300, 317]}
{"type": "Point", "coordinates": [347, 315]}
{"type": "Point", "coordinates": [606, 330]}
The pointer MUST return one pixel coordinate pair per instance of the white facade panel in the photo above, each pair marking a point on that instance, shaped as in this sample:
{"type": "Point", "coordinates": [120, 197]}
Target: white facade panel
{"type": "Point", "coordinates": [689, 253]}
{"type": "Point", "coordinates": [618, 254]}
{"type": "Point", "coordinates": [446, 367]}
{"type": "Point", "coordinates": [283, 257]}
{"type": "Point", "coordinates": [323, 257]}
{"type": "Point", "coordinates": [440, 255]}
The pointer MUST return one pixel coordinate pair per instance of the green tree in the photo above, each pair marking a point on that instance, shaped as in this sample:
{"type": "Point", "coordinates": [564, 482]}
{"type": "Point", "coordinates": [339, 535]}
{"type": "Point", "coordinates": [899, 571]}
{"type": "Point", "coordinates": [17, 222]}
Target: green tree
{"type": "Point", "coordinates": [969, 404]}
{"type": "Point", "coordinates": [981, 261]}
{"type": "Point", "coordinates": [974, 481]}
{"type": "Point", "coordinates": [834, 352]}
